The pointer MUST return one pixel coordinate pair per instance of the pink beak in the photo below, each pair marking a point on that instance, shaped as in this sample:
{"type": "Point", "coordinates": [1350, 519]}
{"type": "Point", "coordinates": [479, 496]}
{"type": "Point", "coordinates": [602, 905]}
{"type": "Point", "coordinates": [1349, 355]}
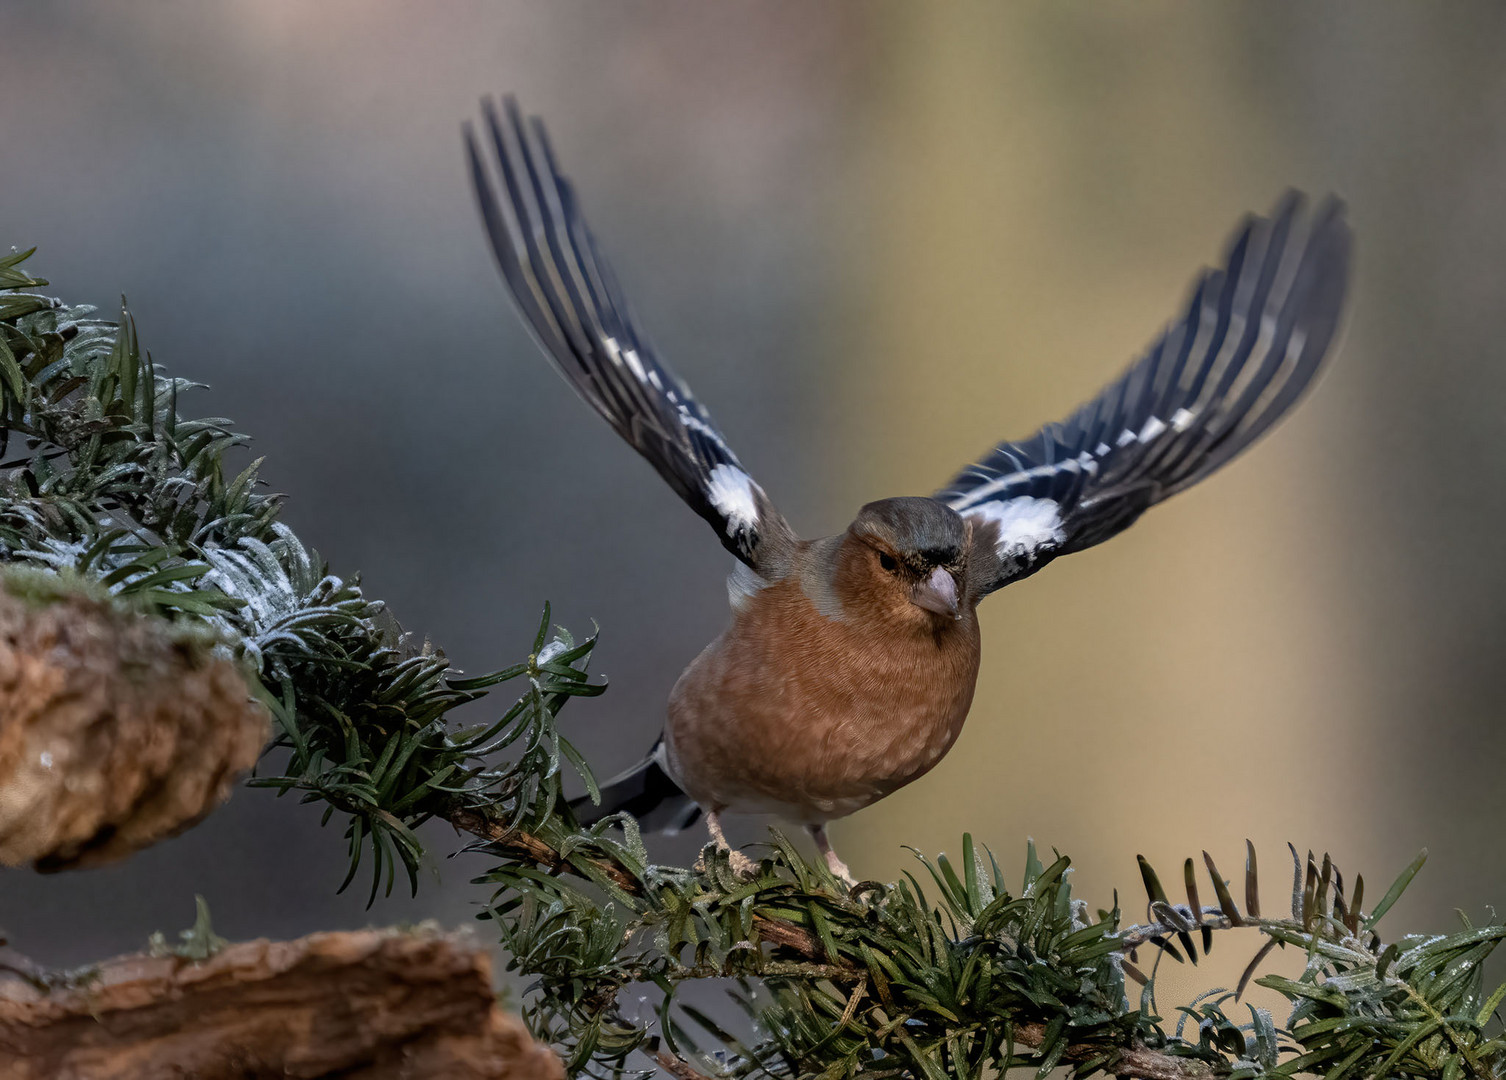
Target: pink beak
{"type": "Point", "coordinates": [938, 593]}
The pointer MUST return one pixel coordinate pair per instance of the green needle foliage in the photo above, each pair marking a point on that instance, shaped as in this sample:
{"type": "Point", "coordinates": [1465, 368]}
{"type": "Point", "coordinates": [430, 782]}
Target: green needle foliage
{"type": "Point", "coordinates": [955, 971]}
{"type": "Point", "coordinates": [108, 486]}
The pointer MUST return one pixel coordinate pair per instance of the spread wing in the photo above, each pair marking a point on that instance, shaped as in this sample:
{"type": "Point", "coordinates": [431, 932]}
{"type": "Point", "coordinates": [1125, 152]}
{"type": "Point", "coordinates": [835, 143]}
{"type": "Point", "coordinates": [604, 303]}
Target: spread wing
{"type": "Point", "coordinates": [571, 301]}
{"type": "Point", "coordinates": [1250, 342]}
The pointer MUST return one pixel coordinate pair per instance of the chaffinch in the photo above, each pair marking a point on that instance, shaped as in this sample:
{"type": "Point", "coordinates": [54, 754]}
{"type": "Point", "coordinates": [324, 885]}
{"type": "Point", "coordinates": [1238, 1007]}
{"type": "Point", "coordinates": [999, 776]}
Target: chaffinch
{"type": "Point", "coordinates": [849, 665]}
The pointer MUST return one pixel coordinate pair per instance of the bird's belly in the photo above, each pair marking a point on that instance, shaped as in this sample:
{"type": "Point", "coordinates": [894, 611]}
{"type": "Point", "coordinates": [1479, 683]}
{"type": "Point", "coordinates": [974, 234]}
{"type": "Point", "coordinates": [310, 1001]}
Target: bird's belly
{"type": "Point", "coordinates": [820, 735]}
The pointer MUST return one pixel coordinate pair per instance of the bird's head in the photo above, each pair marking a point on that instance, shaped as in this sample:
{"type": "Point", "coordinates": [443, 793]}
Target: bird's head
{"type": "Point", "coordinates": [910, 555]}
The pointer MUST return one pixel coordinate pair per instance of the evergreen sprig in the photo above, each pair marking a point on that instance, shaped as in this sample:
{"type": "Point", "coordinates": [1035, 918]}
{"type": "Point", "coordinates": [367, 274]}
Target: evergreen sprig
{"type": "Point", "coordinates": [952, 972]}
{"type": "Point", "coordinates": [122, 496]}
{"type": "Point", "coordinates": [879, 981]}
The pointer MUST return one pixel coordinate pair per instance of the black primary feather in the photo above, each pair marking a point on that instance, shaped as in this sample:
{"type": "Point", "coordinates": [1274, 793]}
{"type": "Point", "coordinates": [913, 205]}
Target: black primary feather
{"type": "Point", "coordinates": [1250, 342]}
{"type": "Point", "coordinates": [567, 294]}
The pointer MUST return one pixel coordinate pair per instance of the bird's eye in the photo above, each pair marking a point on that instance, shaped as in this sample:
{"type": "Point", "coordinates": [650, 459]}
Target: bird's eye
{"type": "Point", "coordinates": [888, 562]}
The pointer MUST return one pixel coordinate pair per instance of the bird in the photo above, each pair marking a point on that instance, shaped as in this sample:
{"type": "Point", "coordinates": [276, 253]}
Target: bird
{"type": "Point", "coordinates": [849, 663]}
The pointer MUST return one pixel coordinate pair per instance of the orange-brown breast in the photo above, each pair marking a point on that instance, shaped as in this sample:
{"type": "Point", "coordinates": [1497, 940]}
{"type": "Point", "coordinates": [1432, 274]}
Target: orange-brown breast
{"type": "Point", "coordinates": [812, 718]}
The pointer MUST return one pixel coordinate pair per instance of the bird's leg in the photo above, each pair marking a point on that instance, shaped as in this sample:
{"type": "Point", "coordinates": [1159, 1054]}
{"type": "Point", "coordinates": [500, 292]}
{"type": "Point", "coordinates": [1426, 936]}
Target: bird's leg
{"type": "Point", "coordinates": [833, 862]}
{"type": "Point", "coordinates": [740, 863]}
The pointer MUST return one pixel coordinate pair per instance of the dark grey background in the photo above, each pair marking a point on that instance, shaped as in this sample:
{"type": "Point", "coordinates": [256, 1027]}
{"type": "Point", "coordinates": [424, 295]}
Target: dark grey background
{"type": "Point", "coordinates": [874, 237]}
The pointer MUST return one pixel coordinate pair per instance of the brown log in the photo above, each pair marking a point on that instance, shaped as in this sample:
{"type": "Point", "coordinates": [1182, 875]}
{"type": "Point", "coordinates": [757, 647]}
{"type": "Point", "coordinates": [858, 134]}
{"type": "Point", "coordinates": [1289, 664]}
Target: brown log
{"type": "Point", "coordinates": [116, 730]}
{"type": "Point", "coordinates": [364, 1005]}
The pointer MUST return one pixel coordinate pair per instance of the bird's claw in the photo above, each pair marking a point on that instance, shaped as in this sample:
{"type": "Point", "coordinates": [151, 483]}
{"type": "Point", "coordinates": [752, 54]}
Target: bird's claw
{"type": "Point", "coordinates": [741, 865]}
{"type": "Point", "coordinates": [839, 870]}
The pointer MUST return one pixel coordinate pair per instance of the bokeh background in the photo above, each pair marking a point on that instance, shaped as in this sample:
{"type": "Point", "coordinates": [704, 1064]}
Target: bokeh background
{"type": "Point", "coordinates": [875, 237]}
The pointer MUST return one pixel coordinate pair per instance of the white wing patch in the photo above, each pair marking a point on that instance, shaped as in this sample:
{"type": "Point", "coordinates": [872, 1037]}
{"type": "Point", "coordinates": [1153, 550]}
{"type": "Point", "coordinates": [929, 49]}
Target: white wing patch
{"type": "Point", "coordinates": [733, 493]}
{"type": "Point", "coordinates": [1025, 524]}
{"type": "Point", "coordinates": [970, 500]}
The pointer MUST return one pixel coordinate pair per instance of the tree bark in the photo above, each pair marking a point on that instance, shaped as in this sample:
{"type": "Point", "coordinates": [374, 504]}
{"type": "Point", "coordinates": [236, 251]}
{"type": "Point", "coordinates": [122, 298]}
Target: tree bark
{"type": "Point", "coordinates": [364, 1005]}
{"type": "Point", "coordinates": [116, 730]}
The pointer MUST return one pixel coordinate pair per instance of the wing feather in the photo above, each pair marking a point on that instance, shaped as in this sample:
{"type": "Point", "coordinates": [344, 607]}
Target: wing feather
{"type": "Point", "coordinates": [568, 296]}
{"type": "Point", "coordinates": [1249, 343]}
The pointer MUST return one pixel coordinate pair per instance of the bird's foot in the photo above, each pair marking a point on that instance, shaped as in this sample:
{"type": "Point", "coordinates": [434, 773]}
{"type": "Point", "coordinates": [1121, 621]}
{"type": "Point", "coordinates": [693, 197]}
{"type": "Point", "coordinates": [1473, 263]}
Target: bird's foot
{"type": "Point", "coordinates": [741, 865]}
{"type": "Point", "coordinates": [834, 862]}
{"type": "Point", "coordinates": [839, 869]}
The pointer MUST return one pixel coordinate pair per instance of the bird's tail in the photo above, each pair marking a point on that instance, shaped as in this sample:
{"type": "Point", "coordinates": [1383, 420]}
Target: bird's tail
{"type": "Point", "coordinates": [647, 793]}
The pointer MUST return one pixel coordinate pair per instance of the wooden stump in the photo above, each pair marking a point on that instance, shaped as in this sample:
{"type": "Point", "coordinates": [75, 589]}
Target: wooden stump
{"type": "Point", "coordinates": [116, 730]}
{"type": "Point", "coordinates": [363, 1005]}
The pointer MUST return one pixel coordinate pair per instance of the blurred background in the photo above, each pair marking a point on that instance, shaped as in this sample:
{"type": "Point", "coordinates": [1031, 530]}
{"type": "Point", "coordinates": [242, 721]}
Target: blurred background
{"type": "Point", "coordinates": [876, 238]}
